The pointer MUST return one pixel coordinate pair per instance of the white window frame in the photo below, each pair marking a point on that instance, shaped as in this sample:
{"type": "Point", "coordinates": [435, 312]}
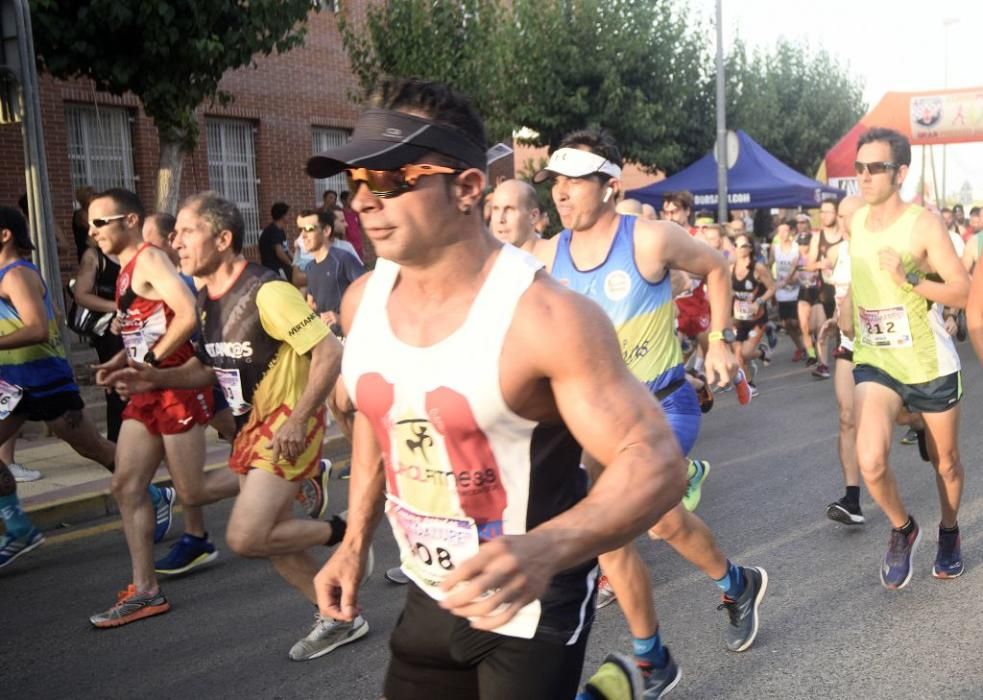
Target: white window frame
{"type": "Point", "coordinates": [324, 138]}
{"type": "Point", "coordinates": [232, 168]}
{"type": "Point", "coordinates": [100, 147]}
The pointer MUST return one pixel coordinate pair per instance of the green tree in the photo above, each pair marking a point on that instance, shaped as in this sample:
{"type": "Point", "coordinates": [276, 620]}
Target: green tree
{"type": "Point", "coordinates": [638, 69]}
{"type": "Point", "coordinates": [170, 54]}
{"type": "Point", "coordinates": [794, 101]}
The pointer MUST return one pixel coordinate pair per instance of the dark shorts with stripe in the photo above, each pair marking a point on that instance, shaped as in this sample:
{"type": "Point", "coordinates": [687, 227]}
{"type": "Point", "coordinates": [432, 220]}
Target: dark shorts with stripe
{"type": "Point", "coordinates": [936, 396]}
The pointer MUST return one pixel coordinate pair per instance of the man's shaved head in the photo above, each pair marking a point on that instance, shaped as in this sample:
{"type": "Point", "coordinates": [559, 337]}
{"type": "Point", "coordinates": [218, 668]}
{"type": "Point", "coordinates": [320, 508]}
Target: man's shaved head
{"type": "Point", "coordinates": [848, 207]}
{"type": "Point", "coordinates": [515, 210]}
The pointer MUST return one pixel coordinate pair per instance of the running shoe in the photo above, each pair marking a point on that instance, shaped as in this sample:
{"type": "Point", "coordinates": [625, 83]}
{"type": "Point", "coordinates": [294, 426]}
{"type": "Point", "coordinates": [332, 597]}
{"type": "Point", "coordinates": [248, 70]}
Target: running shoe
{"type": "Point", "coordinates": [798, 356]}
{"type": "Point", "coordinates": [743, 612]}
{"type": "Point", "coordinates": [345, 472]}
{"type": "Point", "coordinates": [186, 554]}
{"type": "Point", "coordinates": [22, 473]}
{"type": "Point", "coordinates": [164, 513]}
{"type": "Point", "coordinates": [694, 485]}
{"type": "Point", "coordinates": [618, 678]}
{"type": "Point", "coordinates": [605, 593]}
{"type": "Point", "coordinates": [811, 361]}
{"type": "Point", "coordinates": [752, 390]}
{"type": "Point", "coordinates": [770, 331]}
{"type": "Point", "coordinates": [313, 494]}
{"type": "Point", "coordinates": [12, 547]}
{"type": "Point", "coordinates": [130, 607]}
{"type": "Point", "coordinates": [396, 575]}
{"type": "Point", "coordinates": [846, 512]}
{"type": "Point", "coordinates": [327, 635]}
{"type": "Point", "coordinates": [910, 437]}
{"type": "Point", "coordinates": [948, 558]}
{"type": "Point", "coordinates": [764, 352]}
{"type": "Point", "coordinates": [896, 570]}
{"type": "Point", "coordinates": [753, 371]}
{"type": "Point", "coordinates": [821, 371]}
{"type": "Point", "coordinates": [659, 681]}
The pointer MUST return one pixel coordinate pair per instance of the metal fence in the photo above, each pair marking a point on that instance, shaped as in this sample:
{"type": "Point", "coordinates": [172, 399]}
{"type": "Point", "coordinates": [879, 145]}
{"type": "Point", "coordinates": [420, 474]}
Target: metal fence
{"type": "Point", "coordinates": [100, 147]}
{"type": "Point", "coordinates": [325, 138]}
{"type": "Point", "coordinates": [232, 168]}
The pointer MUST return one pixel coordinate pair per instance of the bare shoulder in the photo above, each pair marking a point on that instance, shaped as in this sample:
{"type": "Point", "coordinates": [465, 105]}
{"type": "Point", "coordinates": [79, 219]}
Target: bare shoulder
{"type": "Point", "coordinates": [651, 234]}
{"type": "Point", "coordinates": [19, 278]}
{"type": "Point", "coordinates": [352, 299]}
{"type": "Point", "coordinates": [545, 250]}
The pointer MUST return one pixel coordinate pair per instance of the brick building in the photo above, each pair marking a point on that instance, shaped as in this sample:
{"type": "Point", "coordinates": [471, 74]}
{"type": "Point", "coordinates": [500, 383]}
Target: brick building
{"type": "Point", "coordinates": [253, 150]}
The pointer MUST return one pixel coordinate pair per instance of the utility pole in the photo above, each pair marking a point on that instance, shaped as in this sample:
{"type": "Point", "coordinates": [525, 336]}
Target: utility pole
{"type": "Point", "coordinates": [721, 121]}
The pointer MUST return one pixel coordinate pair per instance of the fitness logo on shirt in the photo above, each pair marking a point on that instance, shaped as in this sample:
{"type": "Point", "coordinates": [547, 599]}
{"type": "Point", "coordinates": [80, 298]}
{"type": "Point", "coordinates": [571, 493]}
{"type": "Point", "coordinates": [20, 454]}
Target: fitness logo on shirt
{"type": "Point", "coordinates": [617, 285]}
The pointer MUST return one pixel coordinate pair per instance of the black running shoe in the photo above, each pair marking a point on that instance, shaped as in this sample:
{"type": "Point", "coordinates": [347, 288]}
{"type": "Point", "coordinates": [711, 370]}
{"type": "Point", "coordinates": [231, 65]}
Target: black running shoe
{"type": "Point", "coordinates": [846, 512]}
{"type": "Point", "coordinates": [811, 361]}
{"type": "Point", "coordinates": [743, 612]}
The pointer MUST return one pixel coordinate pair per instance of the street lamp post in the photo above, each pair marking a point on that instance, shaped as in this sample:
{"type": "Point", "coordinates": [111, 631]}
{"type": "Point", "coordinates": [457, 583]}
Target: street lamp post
{"type": "Point", "coordinates": [721, 122]}
{"type": "Point", "coordinates": [946, 23]}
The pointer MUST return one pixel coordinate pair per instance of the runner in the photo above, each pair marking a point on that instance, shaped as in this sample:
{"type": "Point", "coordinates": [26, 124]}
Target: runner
{"type": "Point", "coordinates": [515, 211]}
{"type": "Point", "coordinates": [480, 471]}
{"type": "Point", "coordinates": [623, 264]}
{"type": "Point", "coordinates": [256, 334]}
{"type": "Point", "coordinates": [903, 356]}
{"type": "Point", "coordinates": [167, 424]}
{"type": "Point", "coordinates": [753, 286]}
{"type": "Point", "coordinates": [785, 261]}
{"type": "Point", "coordinates": [36, 381]}
{"type": "Point", "coordinates": [828, 240]}
{"type": "Point", "coordinates": [847, 509]}
{"type": "Point", "coordinates": [810, 307]}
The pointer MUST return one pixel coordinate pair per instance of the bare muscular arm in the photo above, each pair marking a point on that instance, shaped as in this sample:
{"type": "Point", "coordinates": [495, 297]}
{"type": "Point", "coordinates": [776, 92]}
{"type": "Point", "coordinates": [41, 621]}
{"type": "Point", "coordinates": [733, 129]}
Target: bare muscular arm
{"type": "Point", "coordinates": [156, 271]}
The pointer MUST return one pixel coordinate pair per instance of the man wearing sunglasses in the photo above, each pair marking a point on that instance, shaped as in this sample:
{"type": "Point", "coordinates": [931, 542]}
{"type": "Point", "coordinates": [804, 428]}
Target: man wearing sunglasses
{"type": "Point", "coordinates": [332, 269]}
{"type": "Point", "coordinates": [902, 261]}
{"type": "Point", "coordinates": [624, 264]}
{"type": "Point", "coordinates": [474, 376]}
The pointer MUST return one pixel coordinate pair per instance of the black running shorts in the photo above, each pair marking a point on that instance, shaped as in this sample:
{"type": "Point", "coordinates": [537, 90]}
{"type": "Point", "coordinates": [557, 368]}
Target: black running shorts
{"type": "Point", "coordinates": [788, 310]}
{"type": "Point", "coordinates": [438, 655]}
{"type": "Point", "coordinates": [48, 408]}
{"type": "Point", "coordinates": [936, 396]}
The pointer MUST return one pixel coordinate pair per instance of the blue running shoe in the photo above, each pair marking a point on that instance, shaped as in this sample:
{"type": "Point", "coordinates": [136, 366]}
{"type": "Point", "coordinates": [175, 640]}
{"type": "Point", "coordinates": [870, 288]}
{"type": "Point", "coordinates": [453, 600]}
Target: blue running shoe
{"type": "Point", "coordinates": [896, 570]}
{"type": "Point", "coordinates": [949, 558]}
{"type": "Point", "coordinates": [13, 547]}
{"type": "Point", "coordinates": [164, 513]}
{"type": "Point", "coordinates": [772, 336]}
{"type": "Point", "coordinates": [186, 554]}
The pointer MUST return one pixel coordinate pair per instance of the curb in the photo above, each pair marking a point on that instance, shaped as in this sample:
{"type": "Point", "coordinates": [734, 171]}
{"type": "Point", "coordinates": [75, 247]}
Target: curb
{"type": "Point", "coordinates": [94, 500]}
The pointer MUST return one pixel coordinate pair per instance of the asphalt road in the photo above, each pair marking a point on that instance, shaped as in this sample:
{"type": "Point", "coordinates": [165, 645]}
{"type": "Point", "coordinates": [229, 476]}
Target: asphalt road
{"type": "Point", "coordinates": [828, 627]}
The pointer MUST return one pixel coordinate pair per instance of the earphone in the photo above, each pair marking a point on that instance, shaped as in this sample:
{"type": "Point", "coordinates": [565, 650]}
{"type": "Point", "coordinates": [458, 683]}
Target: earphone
{"type": "Point", "coordinates": [607, 194]}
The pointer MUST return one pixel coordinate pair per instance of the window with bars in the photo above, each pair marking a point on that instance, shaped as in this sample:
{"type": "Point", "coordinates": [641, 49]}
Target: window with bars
{"type": "Point", "coordinates": [100, 147]}
{"type": "Point", "coordinates": [324, 139]}
{"type": "Point", "coordinates": [232, 168]}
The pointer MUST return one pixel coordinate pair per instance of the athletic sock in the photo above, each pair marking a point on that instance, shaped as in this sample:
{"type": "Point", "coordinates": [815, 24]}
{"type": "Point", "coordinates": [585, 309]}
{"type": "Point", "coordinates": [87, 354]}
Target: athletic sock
{"type": "Point", "coordinates": [853, 494]}
{"type": "Point", "coordinates": [14, 518]}
{"type": "Point", "coordinates": [155, 494]}
{"type": "Point", "coordinates": [732, 584]}
{"type": "Point", "coordinates": [338, 528]}
{"type": "Point", "coordinates": [949, 530]}
{"type": "Point", "coordinates": [907, 528]}
{"type": "Point", "coordinates": [651, 651]}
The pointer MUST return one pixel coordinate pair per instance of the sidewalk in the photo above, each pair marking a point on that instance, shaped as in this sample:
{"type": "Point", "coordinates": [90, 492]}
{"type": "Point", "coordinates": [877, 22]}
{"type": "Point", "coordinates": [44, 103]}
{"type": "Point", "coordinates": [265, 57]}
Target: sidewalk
{"type": "Point", "coordinates": [75, 490]}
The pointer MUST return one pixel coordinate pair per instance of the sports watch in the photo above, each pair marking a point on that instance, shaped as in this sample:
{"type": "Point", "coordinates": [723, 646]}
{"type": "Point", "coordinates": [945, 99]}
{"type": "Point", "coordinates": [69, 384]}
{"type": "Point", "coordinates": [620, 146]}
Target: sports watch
{"type": "Point", "coordinates": [912, 279]}
{"type": "Point", "coordinates": [151, 359]}
{"type": "Point", "coordinates": [727, 335]}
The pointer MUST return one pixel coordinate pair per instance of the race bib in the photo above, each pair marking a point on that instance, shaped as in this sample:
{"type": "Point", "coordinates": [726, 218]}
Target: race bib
{"type": "Point", "coordinates": [744, 310]}
{"type": "Point", "coordinates": [139, 336]}
{"type": "Point", "coordinates": [10, 396]}
{"type": "Point", "coordinates": [430, 545]}
{"type": "Point", "coordinates": [885, 328]}
{"type": "Point", "coordinates": [135, 344]}
{"type": "Point", "coordinates": [231, 385]}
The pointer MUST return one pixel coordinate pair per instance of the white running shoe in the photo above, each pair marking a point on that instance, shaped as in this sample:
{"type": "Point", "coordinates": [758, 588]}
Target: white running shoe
{"type": "Point", "coordinates": [22, 473]}
{"type": "Point", "coordinates": [327, 635]}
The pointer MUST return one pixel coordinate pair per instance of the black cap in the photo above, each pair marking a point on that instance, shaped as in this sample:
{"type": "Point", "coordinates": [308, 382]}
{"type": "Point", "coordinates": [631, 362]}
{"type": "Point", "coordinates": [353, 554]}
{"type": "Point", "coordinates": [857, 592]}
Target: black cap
{"type": "Point", "coordinates": [385, 139]}
{"type": "Point", "coordinates": [15, 222]}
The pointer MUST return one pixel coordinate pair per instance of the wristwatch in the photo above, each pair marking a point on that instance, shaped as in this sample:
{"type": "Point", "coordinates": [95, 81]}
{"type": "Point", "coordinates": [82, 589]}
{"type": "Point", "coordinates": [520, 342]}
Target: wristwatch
{"type": "Point", "coordinates": [912, 279]}
{"type": "Point", "coordinates": [727, 335]}
{"type": "Point", "coordinates": [151, 359]}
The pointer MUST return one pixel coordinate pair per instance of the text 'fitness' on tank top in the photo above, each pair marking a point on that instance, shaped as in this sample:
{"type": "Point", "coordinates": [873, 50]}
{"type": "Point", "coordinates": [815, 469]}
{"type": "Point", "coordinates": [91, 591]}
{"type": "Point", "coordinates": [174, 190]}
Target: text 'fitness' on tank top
{"type": "Point", "coordinates": [642, 311]}
{"type": "Point", "coordinates": [462, 468]}
{"type": "Point", "coordinates": [895, 330]}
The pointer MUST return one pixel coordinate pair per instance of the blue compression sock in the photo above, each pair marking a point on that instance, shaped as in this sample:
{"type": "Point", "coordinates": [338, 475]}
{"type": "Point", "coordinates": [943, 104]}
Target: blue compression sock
{"type": "Point", "coordinates": [14, 519]}
{"type": "Point", "coordinates": [155, 494]}
{"type": "Point", "coordinates": [732, 584]}
{"type": "Point", "coordinates": [651, 650]}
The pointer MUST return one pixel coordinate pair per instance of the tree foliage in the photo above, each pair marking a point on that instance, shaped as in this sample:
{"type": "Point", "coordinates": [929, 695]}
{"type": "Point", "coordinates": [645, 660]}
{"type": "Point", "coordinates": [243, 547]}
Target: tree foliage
{"type": "Point", "coordinates": [643, 70]}
{"type": "Point", "coordinates": [171, 54]}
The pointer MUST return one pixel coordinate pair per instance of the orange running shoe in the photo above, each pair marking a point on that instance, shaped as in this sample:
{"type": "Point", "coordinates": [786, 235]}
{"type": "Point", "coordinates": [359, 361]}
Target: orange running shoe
{"type": "Point", "coordinates": [130, 607]}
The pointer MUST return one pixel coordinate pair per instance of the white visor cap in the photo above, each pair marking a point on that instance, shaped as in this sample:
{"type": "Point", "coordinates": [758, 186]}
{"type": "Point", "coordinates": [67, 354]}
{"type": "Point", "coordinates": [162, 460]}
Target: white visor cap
{"type": "Point", "coordinates": [573, 162]}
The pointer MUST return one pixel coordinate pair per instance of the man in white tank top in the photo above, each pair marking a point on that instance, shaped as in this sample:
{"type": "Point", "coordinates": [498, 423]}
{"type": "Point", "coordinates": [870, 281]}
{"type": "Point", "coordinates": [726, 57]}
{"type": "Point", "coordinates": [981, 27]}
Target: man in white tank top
{"type": "Point", "coordinates": [474, 376]}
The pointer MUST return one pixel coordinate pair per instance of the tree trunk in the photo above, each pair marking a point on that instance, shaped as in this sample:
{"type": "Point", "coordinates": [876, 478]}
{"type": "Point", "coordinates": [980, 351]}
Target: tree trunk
{"type": "Point", "coordinates": [169, 175]}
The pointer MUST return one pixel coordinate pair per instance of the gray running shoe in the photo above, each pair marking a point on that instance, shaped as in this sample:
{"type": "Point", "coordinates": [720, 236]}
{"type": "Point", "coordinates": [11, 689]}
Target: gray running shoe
{"type": "Point", "coordinates": [743, 612]}
{"type": "Point", "coordinates": [130, 607]}
{"type": "Point", "coordinates": [659, 681]}
{"type": "Point", "coordinates": [605, 594]}
{"type": "Point", "coordinates": [327, 635]}
{"type": "Point", "coordinates": [22, 473]}
{"type": "Point", "coordinates": [396, 575]}
{"type": "Point", "coordinates": [12, 547]}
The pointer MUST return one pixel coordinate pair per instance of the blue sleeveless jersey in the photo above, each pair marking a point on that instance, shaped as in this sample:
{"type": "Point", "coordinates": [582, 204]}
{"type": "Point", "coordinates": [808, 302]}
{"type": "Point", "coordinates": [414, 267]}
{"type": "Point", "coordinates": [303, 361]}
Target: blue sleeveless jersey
{"type": "Point", "coordinates": [40, 368]}
{"type": "Point", "coordinates": [642, 312]}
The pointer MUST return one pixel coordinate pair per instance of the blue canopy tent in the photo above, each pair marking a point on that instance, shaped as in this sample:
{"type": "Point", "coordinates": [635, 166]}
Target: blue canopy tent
{"type": "Point", "coordinates": [756, 180]}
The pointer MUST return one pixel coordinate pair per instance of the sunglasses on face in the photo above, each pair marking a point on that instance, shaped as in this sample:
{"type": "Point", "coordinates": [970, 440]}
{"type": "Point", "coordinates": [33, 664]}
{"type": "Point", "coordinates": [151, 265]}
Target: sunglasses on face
{"type": "Point", "coordinates": [105, 221]}
{"type": "Point", "coordinates": [875, 168]}
{"type": "Point", "coordinates": [310, 228]}
{"type": "Point", "coordinates": [745, 245]}
{"type": "Point", "coordinates": [387, 184]}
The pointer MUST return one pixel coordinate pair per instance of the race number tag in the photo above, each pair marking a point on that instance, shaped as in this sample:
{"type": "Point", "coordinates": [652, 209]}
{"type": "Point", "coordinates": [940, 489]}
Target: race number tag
{"type": "Point", "coordinates": [743, 310]}
{"type": "Point", "coordinates": [885, 328]}
{"type": "Point", "coordinates": [136, 345]}
{"type": "Point", "coordinates": [10, 396]}
{"type": "Point", "coordinates": [231, 385]}
{"type": "Point", "coordinates": [430, 545]}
